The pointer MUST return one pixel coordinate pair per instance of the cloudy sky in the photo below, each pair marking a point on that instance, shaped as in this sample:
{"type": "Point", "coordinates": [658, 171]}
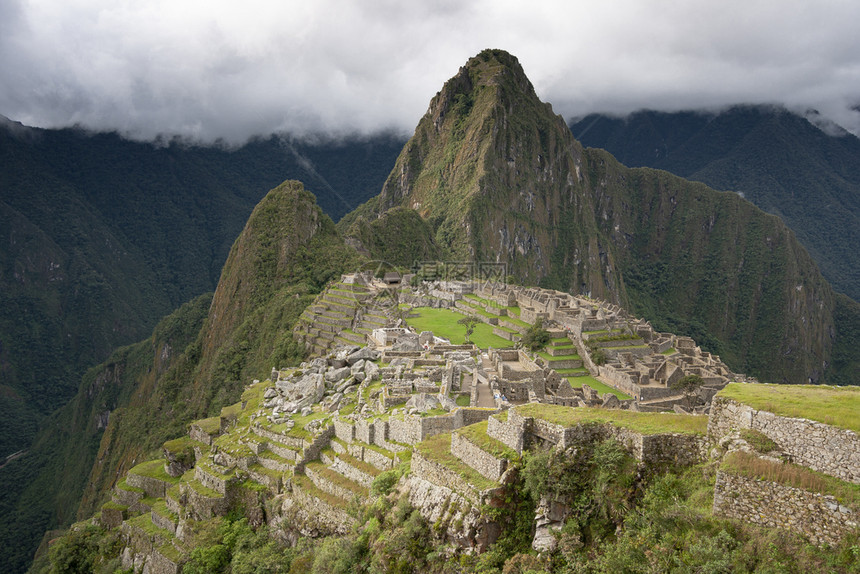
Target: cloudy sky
{"type": "Point", "coordinates": [210, 69]}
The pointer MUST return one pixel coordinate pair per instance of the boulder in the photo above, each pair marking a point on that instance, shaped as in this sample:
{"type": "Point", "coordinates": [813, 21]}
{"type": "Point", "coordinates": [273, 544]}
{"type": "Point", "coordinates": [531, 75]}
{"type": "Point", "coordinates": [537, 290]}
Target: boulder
{"type": "Point", "coordinates": [367, 353]}
{"type": "Point", "coordinates": [357, 367]}
{"type": "Point", "coordinates": [371, 370]}
{"type": "Point", "coordinates": [422, 402]}
{"type": "Point", "coordinates": [336, 375]}
{"type": "Point", "coordinates": [447, 403]}
{"type": "Point", "coordinates": [407, 342]}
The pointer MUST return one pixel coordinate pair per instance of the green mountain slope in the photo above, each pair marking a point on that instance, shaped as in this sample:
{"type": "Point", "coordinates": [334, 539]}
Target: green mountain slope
{"type": "Point", "coordinates": [499, 178]}
{"type": "Point", "coordinates": [196, 362]}
{"type": "Point", "coordinates": [778, 160]}
{"type": "Point", "coordinates": [104, 236]}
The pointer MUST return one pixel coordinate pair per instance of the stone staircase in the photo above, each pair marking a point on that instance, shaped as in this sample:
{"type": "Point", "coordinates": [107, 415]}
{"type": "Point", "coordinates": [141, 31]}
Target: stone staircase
{"type": "Point", "coordinates": [344, 314]}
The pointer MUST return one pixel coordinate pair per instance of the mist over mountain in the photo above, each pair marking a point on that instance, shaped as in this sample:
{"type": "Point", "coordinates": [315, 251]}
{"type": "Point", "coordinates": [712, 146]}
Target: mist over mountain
{"type": "Point", "coordinates": [806, 172]}
{"type": "Point", "coordinates": [490, 175]}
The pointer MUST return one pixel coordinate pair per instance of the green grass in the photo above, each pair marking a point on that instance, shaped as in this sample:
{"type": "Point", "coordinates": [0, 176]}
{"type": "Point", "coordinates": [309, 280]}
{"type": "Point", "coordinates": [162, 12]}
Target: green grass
{"type": "Point", "coordinates": [550, 358]}
{"type": "Point", "coordinates": [443, 323]}
{"type": "Point", "coordinates": [153, 469]}
{"type": "Point", "coordinates": [751, 466]}
{"type": "Point", "coordinates": [600, 387]}
{"type": "Point", "coordinates": [477, 434]}
{"type": "Point", "coordinates": [644, 423]}
{"type": "Point", "coordinates": [438, 449]}
{"type": "Point", "coordinates": [564, 372]}
{"type": "Point", "coordinates": [210, 425]}
{"type": "Point", "coordinates": [837, 406]}
{"type": "Point", "coordinates": [463, 400]}
{"type": "Point", "coordinates": [669, 351]}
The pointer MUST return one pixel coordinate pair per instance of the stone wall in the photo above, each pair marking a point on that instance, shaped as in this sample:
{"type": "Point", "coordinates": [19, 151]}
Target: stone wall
{"type": "Point", "coordinates": [458, 520]}
{"type": "Point", "coordinates": [474, 456]}
{"type": "Point", "coordinates": [666, 448]}
{"type": "Point", "coordinates": [330, 519]}
{"type": "Point", "coordinates": [818, 517]}
{"type": "Point", "coordinates": [443, 476]}
{"type": "Point", "coordinates": [506, 432]}
{"type": "Point", "coordinates": [153, 487]}
{"type": "Point", "coordinates": [816, 445]}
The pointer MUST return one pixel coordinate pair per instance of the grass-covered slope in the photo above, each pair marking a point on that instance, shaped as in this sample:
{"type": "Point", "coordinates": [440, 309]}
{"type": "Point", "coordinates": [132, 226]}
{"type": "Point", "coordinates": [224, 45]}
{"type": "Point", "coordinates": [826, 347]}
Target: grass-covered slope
{"type": "Point", "coordinates": [499, 178]}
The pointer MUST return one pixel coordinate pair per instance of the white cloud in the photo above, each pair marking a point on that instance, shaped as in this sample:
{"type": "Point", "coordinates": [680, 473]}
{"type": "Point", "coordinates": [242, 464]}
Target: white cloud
{"type": "Point", "coordinates": [233, 69]}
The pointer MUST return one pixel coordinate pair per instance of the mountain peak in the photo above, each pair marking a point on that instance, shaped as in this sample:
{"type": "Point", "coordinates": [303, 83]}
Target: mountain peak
{"type": "Point", "coordinates": [494, 70]}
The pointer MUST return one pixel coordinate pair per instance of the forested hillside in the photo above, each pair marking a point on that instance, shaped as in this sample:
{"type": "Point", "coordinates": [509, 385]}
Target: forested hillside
{"type": "Point", "coordinates": [104, 236]}
{"type": "Point", "coordinates": [778, 160]}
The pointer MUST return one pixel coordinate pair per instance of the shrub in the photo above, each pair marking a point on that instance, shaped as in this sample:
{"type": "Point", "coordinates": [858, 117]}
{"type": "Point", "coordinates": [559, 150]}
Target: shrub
{"type": "Point", "coordinates": [536, 337]}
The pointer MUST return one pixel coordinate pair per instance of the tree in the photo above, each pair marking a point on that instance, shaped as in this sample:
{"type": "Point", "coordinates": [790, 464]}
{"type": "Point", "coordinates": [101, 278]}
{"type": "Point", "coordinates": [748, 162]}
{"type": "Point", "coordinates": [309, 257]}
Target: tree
{"type": "Point", "coordinates": [536, 338]}
{"type": "Point", "coordinates": [470, 321]}
{"type": "Point", "coordinates": [688, 385]}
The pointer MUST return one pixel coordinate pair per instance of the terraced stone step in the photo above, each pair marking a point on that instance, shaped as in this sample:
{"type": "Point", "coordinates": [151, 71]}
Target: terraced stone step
{"type": "Point", "coordinates": [214, 478]}
{"type": "Point", "coordinates": [274, 461]}
{"type": "Point", "coordinates": [381, 458]}
{"type": "Point", "coordinates": [201, 502]}
{"type": "Point", "coordinates": [358, 339]}
{"type": "Point", "coordinates": [112, 514]}
{"type": "Point", "coordinates": [163, 517]}
{"type": "Point", "coordinates": [125, 494]}
{"type": "Point", "coordinates": [333, 483]}
{"type": "Point", "coordinates": [558, 351]}
{"type": "Point", "coordinates": [343, 305]}
{"type": "Point", "coordinates": [151, 477]}
{"type": "Point", "coordinates": [342, 323]}
{"type": "Point", "coordinates": [350, 467]}
{"type": "Point", "coordinates": [271, 479]}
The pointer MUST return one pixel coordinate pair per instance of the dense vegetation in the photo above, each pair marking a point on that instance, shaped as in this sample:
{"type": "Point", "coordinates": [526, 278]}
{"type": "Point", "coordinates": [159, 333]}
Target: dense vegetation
{"type": "Point", "coordinates": [191, 366]}
{"type": "Point", "coordinates": [780, 161]}
{"type": "Point", "coordinates": [104, 236]}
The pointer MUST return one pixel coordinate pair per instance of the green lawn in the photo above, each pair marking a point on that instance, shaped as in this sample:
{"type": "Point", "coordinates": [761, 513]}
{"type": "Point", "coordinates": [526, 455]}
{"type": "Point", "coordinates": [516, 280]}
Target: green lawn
{"type": "Point", "coordinates": [577, 382]}
{"type": "Point", "coordinates": [550, 358]}
{"type": "Point", "coordinates": [645, 423]}
{"type": "Point", "coordinates": [838, 406]}
{"type": "Point", "coordinates": [443, 323]}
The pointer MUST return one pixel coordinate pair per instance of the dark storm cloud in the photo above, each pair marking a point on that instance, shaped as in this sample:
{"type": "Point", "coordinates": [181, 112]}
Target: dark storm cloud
{"type": "Point", "coordinates": [206, 70]}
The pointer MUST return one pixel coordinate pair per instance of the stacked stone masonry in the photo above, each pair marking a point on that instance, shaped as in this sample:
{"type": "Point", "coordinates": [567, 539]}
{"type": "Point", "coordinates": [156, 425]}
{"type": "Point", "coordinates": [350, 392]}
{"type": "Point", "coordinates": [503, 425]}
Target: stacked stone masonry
{"type": "Point", "coordinates": [816, 445]}
{"type": "Point", "coordinates": [820, 518]}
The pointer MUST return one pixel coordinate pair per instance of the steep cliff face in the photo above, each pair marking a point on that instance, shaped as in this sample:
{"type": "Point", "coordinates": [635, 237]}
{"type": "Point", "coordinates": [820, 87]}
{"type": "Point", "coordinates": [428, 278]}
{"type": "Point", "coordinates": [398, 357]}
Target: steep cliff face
{"type": "Point", "coordinates": [498, 177]}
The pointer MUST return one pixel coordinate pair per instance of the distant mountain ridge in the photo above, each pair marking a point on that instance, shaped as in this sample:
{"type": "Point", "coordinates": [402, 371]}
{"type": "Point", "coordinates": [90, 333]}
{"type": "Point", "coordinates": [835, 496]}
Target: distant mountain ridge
{"type": "Point", "coordinates": [778, 160]}
{"type": "Point", "coordinates": [104, 236]}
